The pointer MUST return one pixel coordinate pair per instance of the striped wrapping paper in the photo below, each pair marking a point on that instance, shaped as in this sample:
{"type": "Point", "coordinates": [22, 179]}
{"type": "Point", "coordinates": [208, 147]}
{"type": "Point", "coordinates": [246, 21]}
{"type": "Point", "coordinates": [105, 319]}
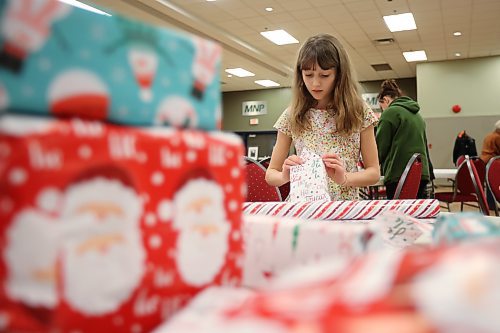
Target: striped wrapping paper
{"type": "Point", "coordinates": [344, 210]}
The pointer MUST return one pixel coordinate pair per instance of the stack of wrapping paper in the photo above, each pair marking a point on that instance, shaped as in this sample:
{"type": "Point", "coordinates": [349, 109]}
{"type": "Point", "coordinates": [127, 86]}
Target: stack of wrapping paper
{"type": "Point", "coordinates": [108, 227]}
{"type": "Point", "coordinates": [344, 210]}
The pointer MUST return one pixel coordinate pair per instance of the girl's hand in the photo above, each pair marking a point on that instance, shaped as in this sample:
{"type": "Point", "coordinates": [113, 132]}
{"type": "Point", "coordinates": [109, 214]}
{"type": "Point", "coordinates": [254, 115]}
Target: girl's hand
{"type": "Point", "coordinates": [289, 162]}
{"type": "Point", "coordinates": [335, 168]}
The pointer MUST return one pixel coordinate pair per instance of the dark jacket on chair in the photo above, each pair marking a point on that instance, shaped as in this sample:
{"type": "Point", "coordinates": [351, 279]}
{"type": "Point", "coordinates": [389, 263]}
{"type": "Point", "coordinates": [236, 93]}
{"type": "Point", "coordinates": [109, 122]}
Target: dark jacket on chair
{"type": "Point", "coordinates": [464, 145]}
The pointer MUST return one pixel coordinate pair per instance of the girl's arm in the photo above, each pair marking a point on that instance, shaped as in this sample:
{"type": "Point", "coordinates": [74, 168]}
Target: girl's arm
{"type": "Point", "coordinates": [278, 171]}
{"type": "Point", "coordinates": [369, 176]}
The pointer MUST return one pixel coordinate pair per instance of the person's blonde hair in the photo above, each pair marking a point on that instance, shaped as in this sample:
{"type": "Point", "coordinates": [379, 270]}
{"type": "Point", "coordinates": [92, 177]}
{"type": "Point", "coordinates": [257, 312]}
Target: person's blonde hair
{"type": "Point", "coordinates": [345, 104]}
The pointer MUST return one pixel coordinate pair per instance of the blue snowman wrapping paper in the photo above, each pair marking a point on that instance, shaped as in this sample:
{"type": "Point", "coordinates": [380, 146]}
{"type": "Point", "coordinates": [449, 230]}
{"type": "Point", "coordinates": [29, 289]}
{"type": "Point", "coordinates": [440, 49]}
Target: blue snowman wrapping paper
{"type": "Point", "coordinates": [59, 60]}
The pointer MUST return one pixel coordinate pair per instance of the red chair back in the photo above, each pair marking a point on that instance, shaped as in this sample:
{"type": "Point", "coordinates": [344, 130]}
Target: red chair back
{"type": "Point", "coordinates": [285, 188]}
{"type": "Point", "coordinates": [493, 179]}
{"type": "Point", "coordinates": [478, 187]}
{"type": "Point", "coordinates": [460, 160]}
{"type": "Point", "coordinates": [257, 188]}
{"type": "Point", "coordinates": [265, 162]}
{"type": "Point", "coordinates": [410, 179]}
{"type": "Point", "coordinates": [478, 163]}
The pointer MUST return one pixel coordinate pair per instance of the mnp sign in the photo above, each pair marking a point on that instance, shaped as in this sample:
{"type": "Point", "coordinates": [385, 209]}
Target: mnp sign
{"type": "Point", "coordinates": [253, 108]}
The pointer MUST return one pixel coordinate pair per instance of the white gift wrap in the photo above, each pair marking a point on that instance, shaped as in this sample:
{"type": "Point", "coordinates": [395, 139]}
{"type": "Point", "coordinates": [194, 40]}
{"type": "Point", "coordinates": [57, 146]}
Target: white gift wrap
{"type": "Point", "coordinates": [206, 312]}
{"type": "Point", "coordinates": [273, 245]}
{"type": "Point", "coordinates": [344, 210]}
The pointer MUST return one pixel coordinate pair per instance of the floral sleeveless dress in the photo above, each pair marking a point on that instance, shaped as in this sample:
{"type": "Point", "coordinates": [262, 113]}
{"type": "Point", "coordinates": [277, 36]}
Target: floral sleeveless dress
{"type": "Point", "coordinates": [323, 138]}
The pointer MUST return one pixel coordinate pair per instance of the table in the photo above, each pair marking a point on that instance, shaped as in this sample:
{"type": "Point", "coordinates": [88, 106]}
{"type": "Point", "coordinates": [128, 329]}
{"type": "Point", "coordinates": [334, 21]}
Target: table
{"type": "Point", "coordinates": [445, 173]}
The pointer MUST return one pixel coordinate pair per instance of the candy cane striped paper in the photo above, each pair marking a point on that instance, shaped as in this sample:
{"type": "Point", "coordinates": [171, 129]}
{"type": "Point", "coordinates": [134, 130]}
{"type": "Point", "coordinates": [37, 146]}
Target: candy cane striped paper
{"type": "Point", "coordinates": [344, 210]}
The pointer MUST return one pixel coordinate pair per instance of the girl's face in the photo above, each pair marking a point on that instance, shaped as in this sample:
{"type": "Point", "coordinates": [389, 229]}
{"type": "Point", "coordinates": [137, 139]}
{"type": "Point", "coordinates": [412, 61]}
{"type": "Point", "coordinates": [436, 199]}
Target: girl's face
{"type": "Point", "coordinates": [319, 82]}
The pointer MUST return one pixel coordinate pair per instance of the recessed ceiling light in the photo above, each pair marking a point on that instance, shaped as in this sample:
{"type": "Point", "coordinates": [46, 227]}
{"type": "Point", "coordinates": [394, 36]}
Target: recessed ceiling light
{"type": "Point", "coordinates": [458, 54]}
{"type": "Point", "coordinates": [229, 75]}
{"type": "Point", "coordinates": [267, 83]}
{"type": "Point", "coordinates": [84, 6]}
{"type": "Point", "coordinates": [457, 33]}
{"type": "Point", "coordinates": [269, 9]}
{"type": "Point", "coordinates": [211, 0]}
{"type": "Point", "coordinates": [279, 37]}
{"type": "Point", "coordinates": [240, 72]}
{"type": "Point", "coordinates": [400, 22]}
{"type": "Point", "coordinates": [415, 56]}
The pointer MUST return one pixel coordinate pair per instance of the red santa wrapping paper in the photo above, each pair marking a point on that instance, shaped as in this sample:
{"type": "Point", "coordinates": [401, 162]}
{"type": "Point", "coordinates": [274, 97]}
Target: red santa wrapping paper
{"type": "Point", "coordinates": [417, 291]}
{"type": "Point", "coordinates": [113, 229]}
{"type": "Point", "coordinates": [276, 244]}
{"type": "Point", "coordinates": [344, 210]}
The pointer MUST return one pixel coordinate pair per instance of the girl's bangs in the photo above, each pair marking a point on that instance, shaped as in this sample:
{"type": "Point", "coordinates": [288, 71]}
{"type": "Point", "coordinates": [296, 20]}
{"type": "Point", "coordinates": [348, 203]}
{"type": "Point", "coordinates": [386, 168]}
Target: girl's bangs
{"type": "Point", "coordinates": [317, 56]}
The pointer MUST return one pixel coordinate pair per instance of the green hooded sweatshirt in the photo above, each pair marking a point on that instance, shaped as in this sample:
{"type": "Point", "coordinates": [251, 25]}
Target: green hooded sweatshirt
{"type": "Point", "coordinates": [400, 134]}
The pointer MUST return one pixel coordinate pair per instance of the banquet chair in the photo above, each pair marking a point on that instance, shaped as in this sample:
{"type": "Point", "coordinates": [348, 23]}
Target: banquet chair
{"type": "Point", "coordinates": [409, 182]}
{"type": "Point", "coordinates": [463, 186]}
{"type": "Point", "coordinates": [285, 188]}
{"type": "Point", "coordinates": [478, 187]}
{"type": "Point", "coordinates": [257, 188]}
{"type": "Point", "coordinates": [493, 180]}
{"type": "Point", "coordinates": [265, 162]}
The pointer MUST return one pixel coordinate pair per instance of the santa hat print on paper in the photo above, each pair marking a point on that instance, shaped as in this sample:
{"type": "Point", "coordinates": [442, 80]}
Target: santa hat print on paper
{"type": "Point", "coordinates": [61, 60]}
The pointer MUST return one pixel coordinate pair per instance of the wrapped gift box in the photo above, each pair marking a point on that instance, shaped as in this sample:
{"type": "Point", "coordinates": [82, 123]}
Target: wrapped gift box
{"type": "Point", "coordinates": [274, 245]}
{"type": "Point", "coordinates": [110, 228]}
{"type": "Point", "coordinates": [207, 311]}
{"type": "Point", "coordinates": [58, 59]}
{"type": "Point", "coordinates": [419, 291]}
{"type": "Point", "coordinates": [344, 210]}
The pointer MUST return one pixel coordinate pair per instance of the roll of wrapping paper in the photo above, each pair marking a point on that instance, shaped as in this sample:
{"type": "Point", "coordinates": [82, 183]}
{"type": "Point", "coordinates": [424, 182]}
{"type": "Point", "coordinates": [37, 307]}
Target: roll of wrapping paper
{"type": "Point", "coordinates": [344, 210]}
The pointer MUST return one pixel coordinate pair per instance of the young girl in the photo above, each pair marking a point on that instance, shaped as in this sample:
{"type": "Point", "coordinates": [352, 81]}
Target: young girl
{"type": "Point", "coordinates": [328, 117]}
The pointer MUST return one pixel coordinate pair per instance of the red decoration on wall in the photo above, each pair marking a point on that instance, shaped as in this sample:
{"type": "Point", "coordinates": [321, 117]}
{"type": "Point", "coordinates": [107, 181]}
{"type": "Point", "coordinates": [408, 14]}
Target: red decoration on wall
{"type": "Point", "coordinates": [456, 108]}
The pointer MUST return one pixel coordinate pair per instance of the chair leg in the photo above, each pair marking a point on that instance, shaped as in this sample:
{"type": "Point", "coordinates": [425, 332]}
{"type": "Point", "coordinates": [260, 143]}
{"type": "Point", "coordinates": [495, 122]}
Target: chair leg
{"type": "Point", "coordinates": [461, 206]}
{"type": "Point", "coordinates": [448, 205]}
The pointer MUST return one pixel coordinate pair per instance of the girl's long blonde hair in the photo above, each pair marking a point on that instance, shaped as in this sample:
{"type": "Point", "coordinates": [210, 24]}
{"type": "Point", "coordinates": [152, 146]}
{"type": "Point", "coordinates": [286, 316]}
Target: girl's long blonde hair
{"type": "Point", "coordinates": [345, 104]}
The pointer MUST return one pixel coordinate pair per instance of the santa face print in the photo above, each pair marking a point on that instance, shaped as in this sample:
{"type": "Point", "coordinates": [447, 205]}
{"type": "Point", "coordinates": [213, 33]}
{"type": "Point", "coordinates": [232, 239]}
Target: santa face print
{"type": "Point", "coordinates": [103, 257]}
{"type": "Point", "coordinates": [32, 245]}
{"type": "Point", "coordinates": [203, 228]}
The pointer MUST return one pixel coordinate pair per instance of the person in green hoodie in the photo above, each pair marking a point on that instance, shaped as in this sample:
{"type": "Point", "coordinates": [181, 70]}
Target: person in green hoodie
{"type": "Point", "coordinates": [400, 134]}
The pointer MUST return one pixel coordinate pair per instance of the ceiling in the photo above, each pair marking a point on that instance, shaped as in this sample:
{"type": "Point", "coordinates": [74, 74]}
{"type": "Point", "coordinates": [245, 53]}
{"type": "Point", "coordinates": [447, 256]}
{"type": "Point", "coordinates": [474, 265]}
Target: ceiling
{"type": "Point", "coordinates": [236, 24]}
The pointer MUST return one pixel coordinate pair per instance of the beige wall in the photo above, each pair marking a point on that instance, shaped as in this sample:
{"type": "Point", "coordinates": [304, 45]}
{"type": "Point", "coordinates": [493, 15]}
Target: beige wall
{"type": "Point", "coordinates": [474, 84]}
{"type": "Point", "coordinates": [233, 120]}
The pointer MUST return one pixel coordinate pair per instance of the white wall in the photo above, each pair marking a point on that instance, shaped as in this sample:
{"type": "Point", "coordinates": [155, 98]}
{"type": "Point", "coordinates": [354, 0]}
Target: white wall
{"type": "Point", "coordinates": [474, 84]}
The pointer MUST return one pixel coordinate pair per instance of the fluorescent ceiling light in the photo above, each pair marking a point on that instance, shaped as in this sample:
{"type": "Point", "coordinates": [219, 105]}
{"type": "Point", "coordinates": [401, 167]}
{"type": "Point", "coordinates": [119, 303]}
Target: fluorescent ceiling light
{"type": "Point", "coordinates": [267, 83]}
{"type": "Point", "coordinates": [400, 22]}
{"type": "Point", "coordinates": [239, 72]}
{"type": "Point", "coordinates": [280, 37]}
{"type": "Point", "coordinates": [269, 9]}
{"type": "Point", "coordinates": [457, 33]}
{"type": "Point", "coordinates": [415, 56]}
{"type": "Point", "coordinates": [84, 6]}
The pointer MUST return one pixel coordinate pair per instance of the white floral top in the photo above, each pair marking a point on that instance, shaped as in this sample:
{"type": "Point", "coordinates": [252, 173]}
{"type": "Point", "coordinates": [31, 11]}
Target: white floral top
{"type": "Point", "coordinates": [323, 139]}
